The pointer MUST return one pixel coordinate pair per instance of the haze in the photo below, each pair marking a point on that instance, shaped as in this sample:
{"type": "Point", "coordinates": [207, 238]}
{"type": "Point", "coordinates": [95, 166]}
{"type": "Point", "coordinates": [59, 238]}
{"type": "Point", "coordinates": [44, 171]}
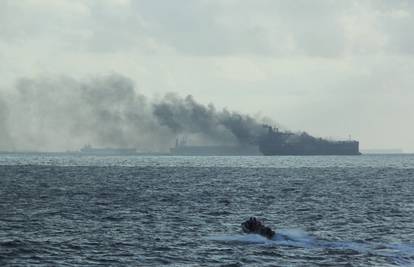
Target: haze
{"type": "Point", "coordinates": [76, 71]}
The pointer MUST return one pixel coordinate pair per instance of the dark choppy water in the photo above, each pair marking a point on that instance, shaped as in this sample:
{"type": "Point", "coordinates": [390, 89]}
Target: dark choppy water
{"type": "Point", "coordinates": [182, 211]}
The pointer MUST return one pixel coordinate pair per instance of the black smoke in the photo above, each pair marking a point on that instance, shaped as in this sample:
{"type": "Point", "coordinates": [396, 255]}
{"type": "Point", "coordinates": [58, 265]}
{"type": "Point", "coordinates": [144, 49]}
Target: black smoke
{"type": "Point", "coordinates": [185, 115]}
{"type": "Point", "coordinates": [63, 113]}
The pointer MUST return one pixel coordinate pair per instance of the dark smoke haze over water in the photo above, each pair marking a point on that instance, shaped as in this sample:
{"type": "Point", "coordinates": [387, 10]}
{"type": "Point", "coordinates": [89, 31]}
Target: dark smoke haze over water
{"type": "Point", "coordinates": [63, 113]}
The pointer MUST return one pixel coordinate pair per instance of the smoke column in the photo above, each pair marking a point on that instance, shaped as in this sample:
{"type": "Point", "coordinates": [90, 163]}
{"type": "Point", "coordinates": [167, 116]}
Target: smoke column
{"type": "Point", "coordinates": [62, 113]}
{"type": "Point", "coordinates": [188, 116]}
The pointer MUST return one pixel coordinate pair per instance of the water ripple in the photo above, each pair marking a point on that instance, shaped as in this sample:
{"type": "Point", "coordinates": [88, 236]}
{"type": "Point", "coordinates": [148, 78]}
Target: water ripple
{"type": "Point", "coordinates": [186, 216]}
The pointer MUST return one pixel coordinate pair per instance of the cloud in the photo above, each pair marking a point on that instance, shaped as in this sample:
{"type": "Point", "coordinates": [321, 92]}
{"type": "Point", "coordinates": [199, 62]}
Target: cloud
{"type": "Point", "coordinates": [288, 60]}
{"type": "Point", "coordinates": [321, 28]}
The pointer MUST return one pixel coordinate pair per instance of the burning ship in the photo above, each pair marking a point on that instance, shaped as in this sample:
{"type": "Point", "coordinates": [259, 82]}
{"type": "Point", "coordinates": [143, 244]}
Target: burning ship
{"type": "Point", "coordinates": [275, 142]}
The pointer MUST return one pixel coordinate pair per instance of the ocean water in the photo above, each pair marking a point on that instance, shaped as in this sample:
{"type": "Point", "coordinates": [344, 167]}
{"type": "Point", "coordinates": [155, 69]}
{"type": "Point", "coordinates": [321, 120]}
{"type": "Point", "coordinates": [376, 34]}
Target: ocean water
{"type": "Point", "coordinates": [65, 210]}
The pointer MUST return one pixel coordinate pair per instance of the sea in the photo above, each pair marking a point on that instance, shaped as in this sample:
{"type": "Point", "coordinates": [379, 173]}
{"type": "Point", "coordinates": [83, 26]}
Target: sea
{"type": "Point", "coordinates": [80, 210]}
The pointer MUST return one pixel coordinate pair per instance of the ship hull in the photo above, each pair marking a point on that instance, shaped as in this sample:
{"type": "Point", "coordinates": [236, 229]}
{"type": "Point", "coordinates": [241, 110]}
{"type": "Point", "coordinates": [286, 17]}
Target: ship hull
{"type": "Point", "coordinates": [346, 148]}
{"type": "Point", "coordinates": [215, 151]}
{"type": "Point", "coordinates": [291, 153]}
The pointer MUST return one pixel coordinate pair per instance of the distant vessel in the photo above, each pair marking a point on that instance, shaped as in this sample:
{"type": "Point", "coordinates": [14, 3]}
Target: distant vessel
{"type": "Point", "coordinates": [285, 143]}
{"type": "Point", "coordinates": [88, 149]}
{"type": "Point", "coordinates": [182, 149]}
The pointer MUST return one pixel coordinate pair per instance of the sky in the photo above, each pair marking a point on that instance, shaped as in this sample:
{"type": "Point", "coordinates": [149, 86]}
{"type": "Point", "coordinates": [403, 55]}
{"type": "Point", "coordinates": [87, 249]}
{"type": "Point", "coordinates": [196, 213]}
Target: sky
{"type": "Point", "coordinates": [335, 69]}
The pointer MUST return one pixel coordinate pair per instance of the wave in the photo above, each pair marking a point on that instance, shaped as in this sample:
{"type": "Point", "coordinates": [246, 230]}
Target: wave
{"type": "Point", "coordinates": [401, 254]}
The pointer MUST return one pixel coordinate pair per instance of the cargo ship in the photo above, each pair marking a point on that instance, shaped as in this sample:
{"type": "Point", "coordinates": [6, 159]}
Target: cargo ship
{"type": "Point", "coordinates": [182, 149]}
{"type": "Point", "coordinates": [275, 142]}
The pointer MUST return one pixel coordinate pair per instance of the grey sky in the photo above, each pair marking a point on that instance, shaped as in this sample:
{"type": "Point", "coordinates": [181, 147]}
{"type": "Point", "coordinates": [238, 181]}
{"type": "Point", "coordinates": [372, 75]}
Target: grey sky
{"type": "Point", "coordinates": [332, 68]}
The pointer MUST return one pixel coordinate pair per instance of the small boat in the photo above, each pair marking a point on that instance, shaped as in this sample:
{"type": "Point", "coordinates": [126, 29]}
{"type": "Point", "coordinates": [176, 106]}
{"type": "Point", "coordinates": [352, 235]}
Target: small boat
{"type": "Point", "coordinates": [254, 226]}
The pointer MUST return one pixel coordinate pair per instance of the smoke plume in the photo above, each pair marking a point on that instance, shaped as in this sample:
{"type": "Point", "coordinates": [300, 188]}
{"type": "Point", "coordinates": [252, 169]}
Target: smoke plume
{"type": "Point", "coordinates": [5, 140]}
{"type": "Point", "coordinates": [188, 116]}
{"type": "Point", "coordinates": [63, 113]}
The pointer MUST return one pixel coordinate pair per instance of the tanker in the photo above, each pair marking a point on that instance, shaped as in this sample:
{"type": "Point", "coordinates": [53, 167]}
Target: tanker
{"type": "Point", "coordinates": [275, 142]}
